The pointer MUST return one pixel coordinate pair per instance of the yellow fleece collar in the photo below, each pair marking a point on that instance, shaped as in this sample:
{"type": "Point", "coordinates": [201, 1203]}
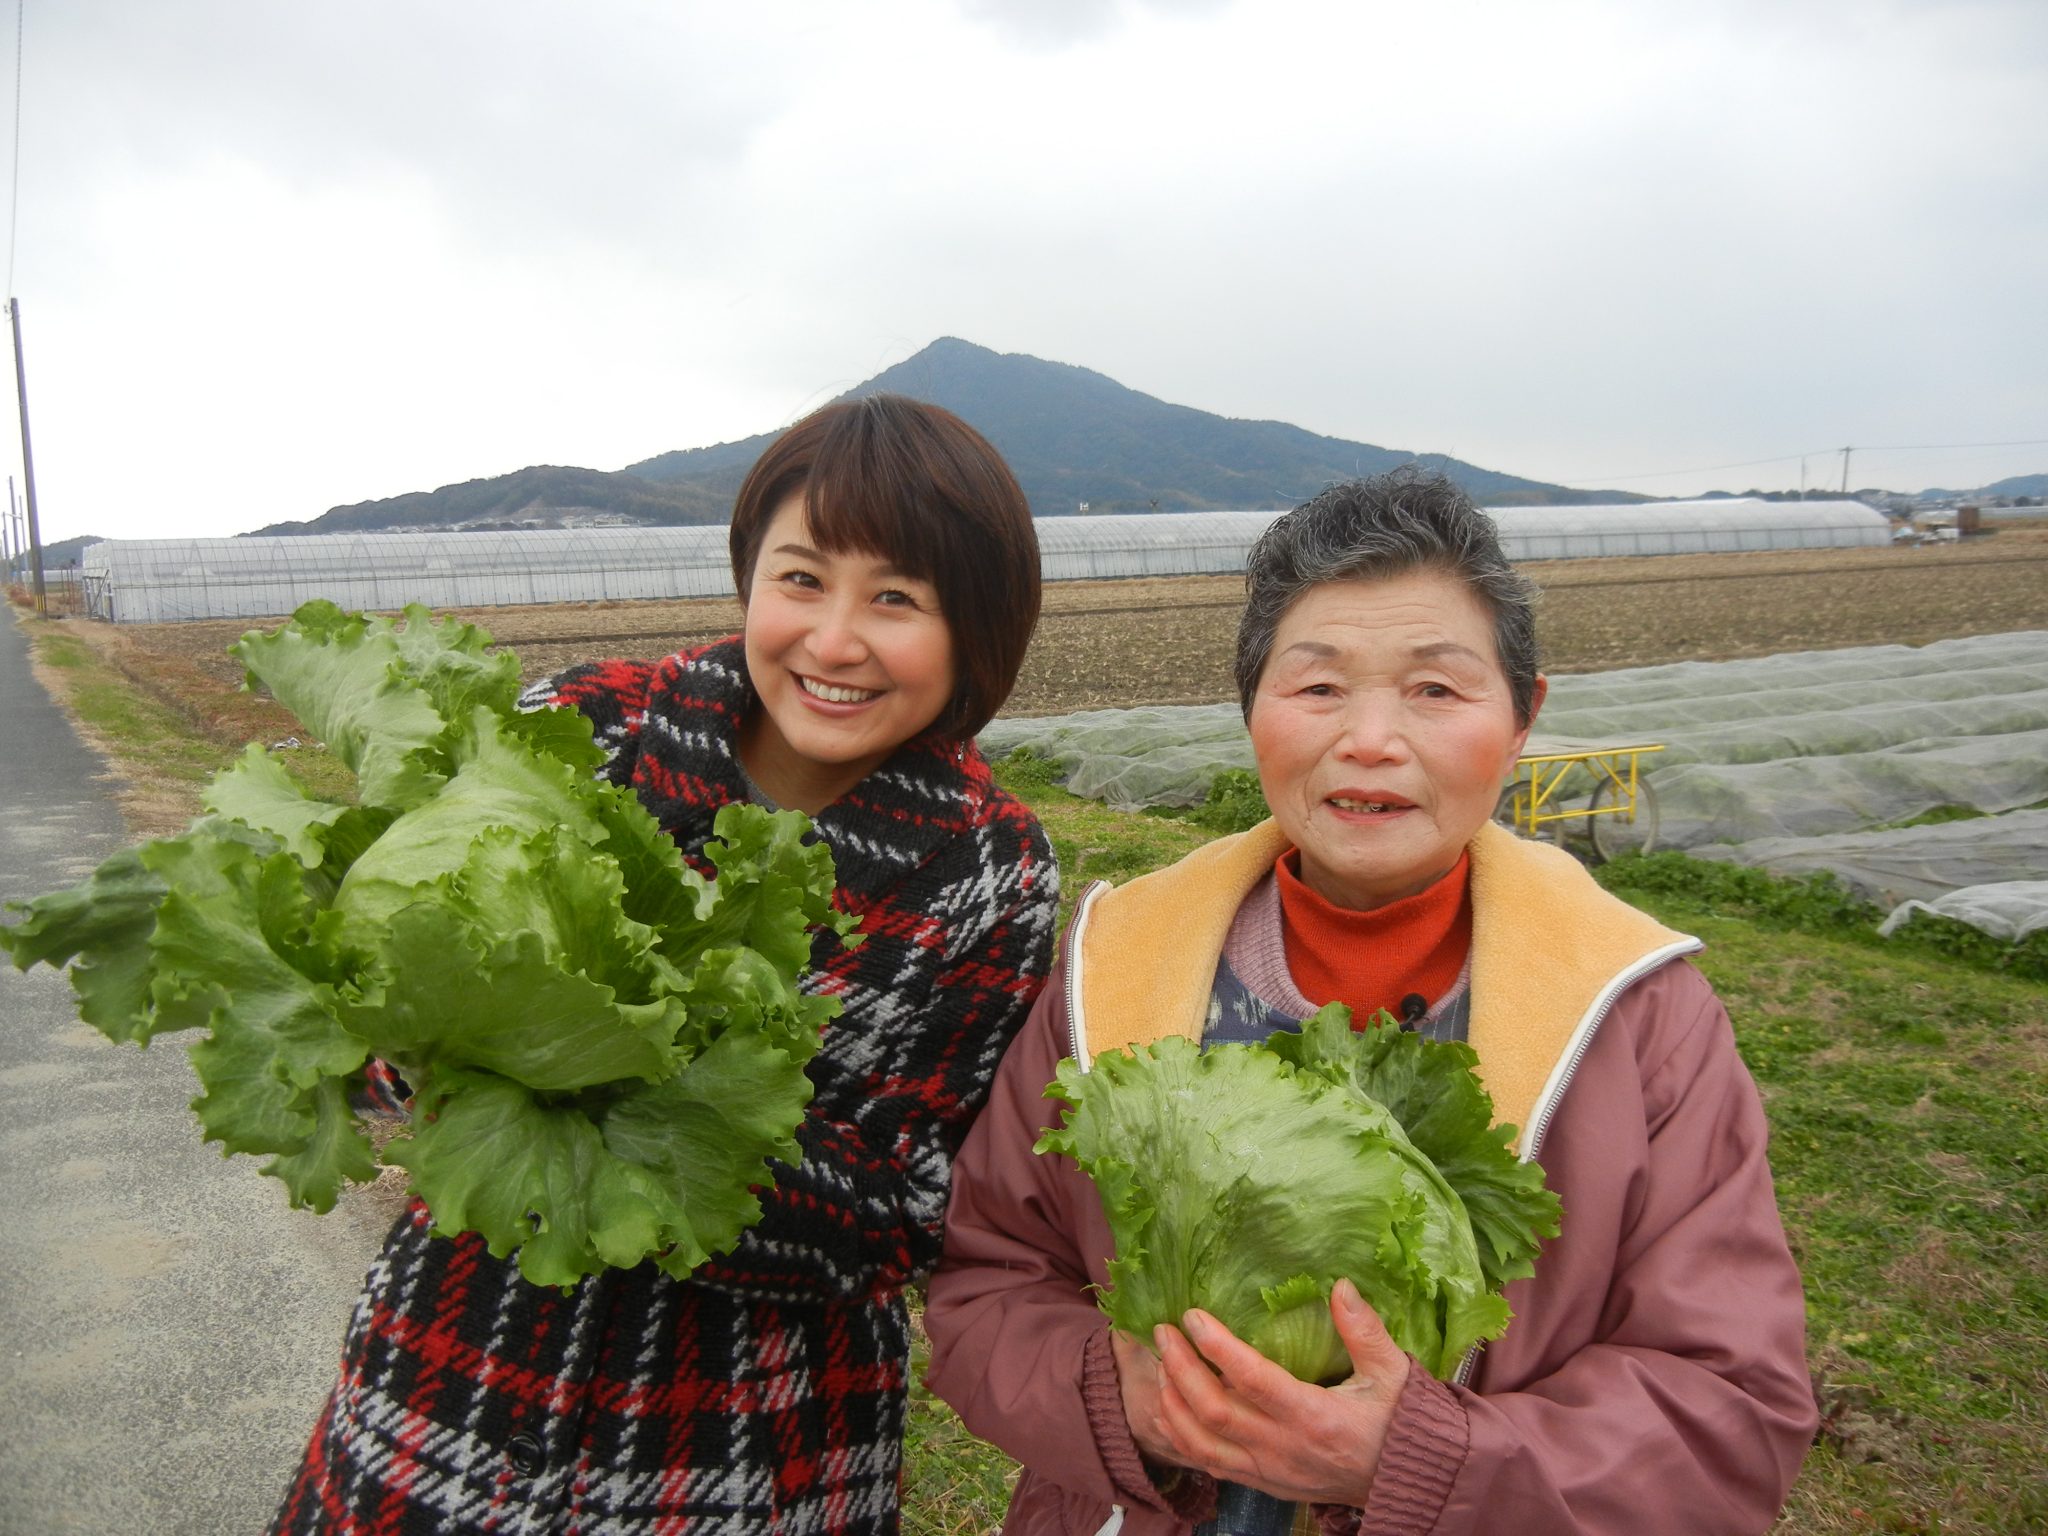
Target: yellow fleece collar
{"type": "Point", "coordinates": [1547, 946]}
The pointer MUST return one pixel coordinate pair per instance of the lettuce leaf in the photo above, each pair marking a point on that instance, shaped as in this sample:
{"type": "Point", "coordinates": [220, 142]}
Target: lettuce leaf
{"type": "Point", "coordinates": [104, 925]}
{"type": "Point", "coordinates": [1432, 1087]}
{"type": "Point", "coordinates": [606, 1047]}
{"type": "Point", "coordinates": [1247, 1179]}
{"type": "Point", "coordinates": [343, 676]}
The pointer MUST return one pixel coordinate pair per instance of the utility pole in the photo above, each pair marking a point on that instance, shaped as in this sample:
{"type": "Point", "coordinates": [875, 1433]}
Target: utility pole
{"type": "Point", "coordinates": [28, 465]}
{"type": "Point", "coordinates": [1845, 470]}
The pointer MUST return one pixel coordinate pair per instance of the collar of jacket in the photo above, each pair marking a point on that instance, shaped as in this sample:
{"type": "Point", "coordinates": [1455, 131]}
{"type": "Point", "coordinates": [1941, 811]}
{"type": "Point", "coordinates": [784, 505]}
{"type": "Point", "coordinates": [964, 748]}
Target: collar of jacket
{"type": "Point", "coordinates": [928, 792]}
{"type": "Point", "coordinates": [1550, 952]}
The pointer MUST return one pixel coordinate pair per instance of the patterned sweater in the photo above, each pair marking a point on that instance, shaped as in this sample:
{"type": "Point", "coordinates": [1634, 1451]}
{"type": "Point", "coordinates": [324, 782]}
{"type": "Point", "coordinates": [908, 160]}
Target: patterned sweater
{"type": "Point", "coordinates": [767, 1392]}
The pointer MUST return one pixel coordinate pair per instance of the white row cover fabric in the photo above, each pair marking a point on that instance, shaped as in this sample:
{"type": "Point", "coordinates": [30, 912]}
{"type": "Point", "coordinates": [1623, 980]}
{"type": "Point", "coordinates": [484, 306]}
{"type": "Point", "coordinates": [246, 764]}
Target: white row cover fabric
{"type": "Point", "coordinates": [2010, 909]}
{"type": "Point", "coordinates": [156, 580]}
{"type": "Point", "coordinates": [1132, 758]}
{"type": "Point", "coordinates": [1815, 796]}
{"type": "Point", "coordinates": [1794, 745]}
{"type": "Point", "coordinates": [1902, 864]}
{"type": "Point", "coordinates": [1768, 761]}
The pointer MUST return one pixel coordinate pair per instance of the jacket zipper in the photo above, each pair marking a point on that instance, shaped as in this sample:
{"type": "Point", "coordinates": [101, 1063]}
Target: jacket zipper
{"type": "Point", "coordinates": [1077, 1035]}
{"type": "Point", "coordinates": [1546, 1106]}
{"type": "Point", "coordinates": [1077, 1031]}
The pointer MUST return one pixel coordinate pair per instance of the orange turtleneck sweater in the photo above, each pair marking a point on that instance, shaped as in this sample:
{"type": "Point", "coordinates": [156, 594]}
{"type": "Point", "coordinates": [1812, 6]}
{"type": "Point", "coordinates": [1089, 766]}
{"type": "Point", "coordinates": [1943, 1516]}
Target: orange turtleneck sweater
{"type": "Point", "coordinates": [1372, 960]}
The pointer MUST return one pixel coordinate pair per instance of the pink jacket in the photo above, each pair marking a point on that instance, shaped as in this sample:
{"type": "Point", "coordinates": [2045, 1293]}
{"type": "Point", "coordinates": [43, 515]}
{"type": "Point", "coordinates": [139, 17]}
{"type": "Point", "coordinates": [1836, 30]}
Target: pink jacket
{"type": "Point", "coordinates": [1653, 1379]}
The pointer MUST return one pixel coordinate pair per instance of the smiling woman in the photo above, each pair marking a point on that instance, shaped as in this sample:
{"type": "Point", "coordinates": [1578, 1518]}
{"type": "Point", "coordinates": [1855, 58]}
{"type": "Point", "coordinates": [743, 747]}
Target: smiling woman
{"type": "Point", "coordinates": [890, 578]}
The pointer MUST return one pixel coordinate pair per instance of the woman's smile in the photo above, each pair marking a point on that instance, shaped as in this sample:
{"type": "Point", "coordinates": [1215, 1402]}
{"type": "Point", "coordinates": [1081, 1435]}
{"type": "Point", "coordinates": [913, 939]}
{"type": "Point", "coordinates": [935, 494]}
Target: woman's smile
{"type": "Point", "coordinates": [1370, 805]}
{"type": "Point", "coordinates": [835, 693]}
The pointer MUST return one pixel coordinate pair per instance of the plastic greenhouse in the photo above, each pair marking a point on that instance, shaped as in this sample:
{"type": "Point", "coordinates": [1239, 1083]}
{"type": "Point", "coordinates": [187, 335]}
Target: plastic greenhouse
{"type": "Point", "coordinates": [148, 581]}
{"type": "Point", "coordinates": [1148, 544]}
{"type": "Point", "coordinates": [1687, 527]}
{"type": "Point", "coordinates": [154, 580]}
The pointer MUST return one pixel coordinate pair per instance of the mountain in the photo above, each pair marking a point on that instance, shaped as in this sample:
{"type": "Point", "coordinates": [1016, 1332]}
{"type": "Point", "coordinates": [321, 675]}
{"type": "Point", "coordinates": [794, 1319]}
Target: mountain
{"type": "Point", "coordinates": [2018, 485]}
{"type": "Point", "coordinates": [60, 554]}
{"type": "Point", "coordinates": [543, 496]}
{"type": "Point", "coordinates": [1072, 435]}
{"type": "Point", "coordinates": [2014, 485]}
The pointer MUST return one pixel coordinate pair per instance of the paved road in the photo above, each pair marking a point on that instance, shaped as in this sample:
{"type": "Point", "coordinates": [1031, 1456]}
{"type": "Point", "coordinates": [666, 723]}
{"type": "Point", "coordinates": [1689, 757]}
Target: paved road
{"type": "Point", "coordinates": [168, 1327]}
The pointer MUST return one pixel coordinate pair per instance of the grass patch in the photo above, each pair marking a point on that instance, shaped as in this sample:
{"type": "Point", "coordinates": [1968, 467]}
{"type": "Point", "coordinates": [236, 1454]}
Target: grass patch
{"type": "Point", "coordinates": [953, 1484]}
{"type": "Point", "coordinates": [62, 651]}
{"type": "Point", "coordinates": [1906, 1097]}
{"type": "Point", "coordinates": [1091, 841]}
{"type": "Point", "coordinates": [166, 728]}
{"type": "Point", "coordinates": [1235, 802]}
{"type": "Point", "coordinates": [1906, 1080]}
{"type": "Point", "coordinates": [1024, 770]}
{"type": "Point", "coordinates": [139, 730]}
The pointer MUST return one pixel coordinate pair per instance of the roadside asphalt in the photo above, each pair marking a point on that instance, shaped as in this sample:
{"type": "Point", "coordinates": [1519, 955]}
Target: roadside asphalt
{"type": "Point", "coordinates": [169, 1327]}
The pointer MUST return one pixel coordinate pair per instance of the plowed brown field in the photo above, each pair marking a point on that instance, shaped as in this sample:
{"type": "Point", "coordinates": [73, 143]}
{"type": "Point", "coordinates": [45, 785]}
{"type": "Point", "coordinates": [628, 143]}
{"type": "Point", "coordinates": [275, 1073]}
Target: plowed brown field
{"type": "Point", "coordinates": [1169, 640]}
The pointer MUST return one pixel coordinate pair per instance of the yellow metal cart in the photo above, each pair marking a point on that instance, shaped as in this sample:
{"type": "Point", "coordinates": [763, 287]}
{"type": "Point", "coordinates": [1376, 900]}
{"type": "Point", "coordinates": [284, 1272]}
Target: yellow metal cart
{"type": "Point", "coordinates": [1594, 789]}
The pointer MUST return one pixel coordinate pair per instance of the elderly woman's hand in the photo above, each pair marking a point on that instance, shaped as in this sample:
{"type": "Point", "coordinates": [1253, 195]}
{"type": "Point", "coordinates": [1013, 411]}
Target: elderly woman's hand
{"type": "Point", "coordinates": [1247, 1421]}
{"type": "Point", "coordinates": [1137, 1372]}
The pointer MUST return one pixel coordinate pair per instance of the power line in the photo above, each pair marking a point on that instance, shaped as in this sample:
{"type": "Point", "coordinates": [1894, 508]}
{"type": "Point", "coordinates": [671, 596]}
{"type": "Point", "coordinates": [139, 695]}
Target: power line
{"type": "Point", "coordinates": [1786, 458]}
{"type": "Point", "coordinates": [2024, 442]}
{"type": "Point", "coordinates": [1704, 469]}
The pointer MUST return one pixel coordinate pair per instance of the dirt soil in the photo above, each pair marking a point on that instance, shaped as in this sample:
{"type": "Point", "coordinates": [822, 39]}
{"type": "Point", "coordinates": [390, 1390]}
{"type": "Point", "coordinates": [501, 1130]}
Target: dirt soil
{"type": "Point", "coordinates": [1169, 640]}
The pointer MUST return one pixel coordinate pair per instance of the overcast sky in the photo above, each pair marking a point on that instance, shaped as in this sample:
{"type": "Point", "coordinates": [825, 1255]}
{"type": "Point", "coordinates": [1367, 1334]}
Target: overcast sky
{"type": "Point", "coordinates": [274, 257]}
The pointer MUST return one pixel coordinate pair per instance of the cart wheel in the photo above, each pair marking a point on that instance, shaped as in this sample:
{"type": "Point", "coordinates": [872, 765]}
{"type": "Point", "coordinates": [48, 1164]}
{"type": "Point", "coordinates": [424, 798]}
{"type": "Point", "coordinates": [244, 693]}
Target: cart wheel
{"type": "Point", "coordinates": [1512, 810]}
{"type": "Point", "coordinates": [1615, 832]}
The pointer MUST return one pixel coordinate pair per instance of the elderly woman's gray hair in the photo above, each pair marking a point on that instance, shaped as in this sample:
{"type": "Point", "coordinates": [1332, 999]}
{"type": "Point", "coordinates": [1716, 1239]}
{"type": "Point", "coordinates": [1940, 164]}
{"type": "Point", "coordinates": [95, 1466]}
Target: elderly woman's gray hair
{"type": "Point", "coordinates": [1370, 530]}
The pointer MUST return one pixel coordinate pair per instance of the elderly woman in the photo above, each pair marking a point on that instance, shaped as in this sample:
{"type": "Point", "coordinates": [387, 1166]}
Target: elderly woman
{"type": "Point", "coordinates": [1653, 1379]}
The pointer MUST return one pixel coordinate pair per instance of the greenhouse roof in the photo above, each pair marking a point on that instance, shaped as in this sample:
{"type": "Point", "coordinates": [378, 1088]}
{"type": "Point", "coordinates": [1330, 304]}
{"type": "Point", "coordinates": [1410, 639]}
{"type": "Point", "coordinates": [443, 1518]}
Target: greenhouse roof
{"type": "Point", "coordinates": [150, 580]}
{"type": "Point", "coordinates": [556, 548]}
{"type": "Point", "coordinates": [1726, 512]}
{"type": "Point", "coordinates": [598, 548]}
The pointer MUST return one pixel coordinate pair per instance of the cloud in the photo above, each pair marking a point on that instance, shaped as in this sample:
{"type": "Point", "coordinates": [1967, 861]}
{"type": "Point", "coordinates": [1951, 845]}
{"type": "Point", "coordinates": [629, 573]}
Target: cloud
{"type": "Point", "coordinates": [274, 258]}
{"type": "Point", "coordinates": [1061, 24]}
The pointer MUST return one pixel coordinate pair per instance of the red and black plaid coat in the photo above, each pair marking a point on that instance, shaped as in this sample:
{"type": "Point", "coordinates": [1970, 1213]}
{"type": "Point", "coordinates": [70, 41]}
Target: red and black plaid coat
{"type": "Point", "coordinates": [767, 1392]}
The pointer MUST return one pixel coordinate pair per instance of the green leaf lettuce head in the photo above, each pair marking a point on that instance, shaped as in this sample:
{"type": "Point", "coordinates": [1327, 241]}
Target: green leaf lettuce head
{"type": "Point", "coordinates": [1247, 1179]}
{"type": "Point", "coordinates": [606, 1048]}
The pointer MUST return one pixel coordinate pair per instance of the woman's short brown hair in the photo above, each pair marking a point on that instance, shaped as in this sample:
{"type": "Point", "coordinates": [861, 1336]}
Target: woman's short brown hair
{"type": "Point", "coordinates": [1410, 519]}
{"type": "Point", "coordinates": [916, 485]}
